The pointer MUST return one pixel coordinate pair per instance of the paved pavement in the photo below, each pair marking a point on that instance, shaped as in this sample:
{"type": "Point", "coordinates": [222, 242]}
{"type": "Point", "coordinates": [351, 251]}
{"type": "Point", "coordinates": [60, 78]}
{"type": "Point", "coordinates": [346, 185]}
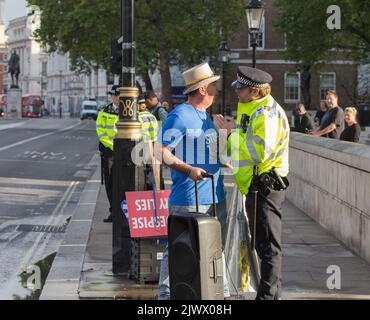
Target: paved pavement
{"type": "Point", "coordinates": [44, 165]}
{"type": "Point", "coordinates": [308, 252]}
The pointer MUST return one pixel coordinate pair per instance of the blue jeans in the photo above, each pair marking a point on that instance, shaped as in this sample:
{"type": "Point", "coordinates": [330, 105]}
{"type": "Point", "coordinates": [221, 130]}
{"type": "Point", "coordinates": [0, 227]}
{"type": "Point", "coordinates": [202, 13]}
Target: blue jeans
{"type": "Point", "coordinates": [164, 279]}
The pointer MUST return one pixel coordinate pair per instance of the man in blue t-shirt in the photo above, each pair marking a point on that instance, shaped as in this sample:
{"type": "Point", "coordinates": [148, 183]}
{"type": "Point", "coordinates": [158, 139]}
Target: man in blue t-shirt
{"type": "Point", "coordinates": [188, 145]}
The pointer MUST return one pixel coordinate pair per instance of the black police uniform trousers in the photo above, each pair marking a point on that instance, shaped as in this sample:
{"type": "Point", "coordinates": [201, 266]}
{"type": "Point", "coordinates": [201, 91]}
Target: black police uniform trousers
{"type": "Point", "coordinates": [108, 170]}
{"type": "Point", "coordinates": [268, 241]}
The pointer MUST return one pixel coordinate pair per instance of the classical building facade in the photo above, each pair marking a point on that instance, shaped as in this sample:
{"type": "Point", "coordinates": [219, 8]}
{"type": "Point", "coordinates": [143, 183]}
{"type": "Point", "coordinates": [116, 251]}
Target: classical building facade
{"type": "Point", "coordinates": [3, 60]}
{"type": "Point", "coordinates": [67, 88]}
{"type": "Point", "coordinates": [20, 39]}
{"type": "Point", "coordinates": [3, 52]}
{"type": "Point", "coordinates": [50, 75]}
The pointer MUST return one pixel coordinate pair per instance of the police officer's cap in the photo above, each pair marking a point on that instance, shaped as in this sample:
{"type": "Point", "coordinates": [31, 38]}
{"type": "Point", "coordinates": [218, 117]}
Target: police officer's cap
{"type": "Point", "coordinates": [114, 91]}
{"type": "Point", "coordinates": [251, 77]}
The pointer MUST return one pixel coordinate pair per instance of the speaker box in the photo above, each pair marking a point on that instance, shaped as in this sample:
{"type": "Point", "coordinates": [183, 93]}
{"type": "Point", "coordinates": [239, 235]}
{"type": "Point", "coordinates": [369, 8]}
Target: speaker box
{"type": "Point", "coordinates": [195, 257]}
{"type": "Point", "coordinates": [146, 256]}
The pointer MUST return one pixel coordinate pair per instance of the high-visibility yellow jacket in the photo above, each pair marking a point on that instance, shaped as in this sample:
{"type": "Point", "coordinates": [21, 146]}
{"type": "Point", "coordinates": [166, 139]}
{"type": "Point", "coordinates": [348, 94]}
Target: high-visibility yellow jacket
{"type": "Point", "coordinates": [149, 126]}
{"type": "Point", "coordinates": [264, 143]}
{"type": "Point", "coordinates": [106, 126]}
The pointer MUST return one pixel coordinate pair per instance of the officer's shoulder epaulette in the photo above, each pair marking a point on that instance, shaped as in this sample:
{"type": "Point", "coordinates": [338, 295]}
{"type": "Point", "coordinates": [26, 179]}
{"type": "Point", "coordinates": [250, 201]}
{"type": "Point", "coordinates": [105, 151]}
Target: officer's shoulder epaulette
{"type": "Point", "coordinates": [109, 109]}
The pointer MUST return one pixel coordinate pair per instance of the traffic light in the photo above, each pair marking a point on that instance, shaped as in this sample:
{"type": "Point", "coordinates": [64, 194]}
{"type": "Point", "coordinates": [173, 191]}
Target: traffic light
{"type": "Point", "coordinates": [116, 58]}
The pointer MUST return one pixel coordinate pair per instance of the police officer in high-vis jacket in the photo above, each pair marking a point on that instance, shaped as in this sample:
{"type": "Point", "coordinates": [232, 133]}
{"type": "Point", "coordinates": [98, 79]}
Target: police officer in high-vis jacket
{"type": "Point", "coordinates": [149, 131]}
{"type": "Point", "coordinates": [106, 130]}
{"type": "Point", "coordinates": [149, 123]}
{"type": "Point", "coordinates": [259, 145]}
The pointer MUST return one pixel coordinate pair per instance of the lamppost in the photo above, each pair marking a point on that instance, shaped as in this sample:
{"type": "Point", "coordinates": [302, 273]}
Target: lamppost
{"type": "Point", "coordinates": [224, 58]}
{"type": "Point", "coordinates": [255, 10]}
{"type": "Point", "coordinates": [60, 93]}
{"type": "Point", "coordinates": [126, 175]}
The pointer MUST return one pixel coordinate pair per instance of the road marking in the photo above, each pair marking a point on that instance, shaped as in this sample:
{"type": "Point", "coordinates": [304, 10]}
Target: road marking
{"type": "Point", "coordinates": [59, 216]}
{"type": "Point", "coordinates": [44, 155]}
{"type": "Point", "coordinates": [41, 239]}
{"type": "Point", "coordinates": [35, 182]}
{"type": "Point", "coordinates": [12, 199]}
{"type": "Point", "coordinates": [53, 218]}
{"type": "Point", "coordinates": [30, 191]}
{"type": "Point", "coordinates": [82, 174]}
{"type": "Point", "coordinates": [11, 126]}
{"type": "Point", "coordinates": [73, 245]}
{"type": "Point", "coordinates": [38, 137]}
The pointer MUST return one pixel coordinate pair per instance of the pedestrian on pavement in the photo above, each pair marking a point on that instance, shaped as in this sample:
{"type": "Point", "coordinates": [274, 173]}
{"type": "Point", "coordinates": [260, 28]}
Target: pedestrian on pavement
{"type": "Point", "coordinates": [106, 130]}
{"type": "Point", "coordinates": [186, 144]}
{"type": "Point", "coordinates": [155, 107]}
{"type": "Point", "coordinates": [352, 132]}
{"type": "Point", "coordinates": [259, 141]}
{"type": "Point", "coordinates": [305, 123]}
{"type": "Point", "coordinates": [332, 124]}
{"type": "Point", "coordinates": [320, 113]}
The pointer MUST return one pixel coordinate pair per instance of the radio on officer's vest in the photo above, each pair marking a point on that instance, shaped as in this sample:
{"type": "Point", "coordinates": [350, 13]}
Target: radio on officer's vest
{"type": "Point", "coordinates": [244, 122]}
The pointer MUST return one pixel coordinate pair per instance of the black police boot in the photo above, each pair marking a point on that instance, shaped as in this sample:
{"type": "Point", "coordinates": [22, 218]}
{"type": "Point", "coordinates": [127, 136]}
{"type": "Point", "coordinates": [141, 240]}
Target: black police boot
{"type": "Point", "coordinates": [109, 219]}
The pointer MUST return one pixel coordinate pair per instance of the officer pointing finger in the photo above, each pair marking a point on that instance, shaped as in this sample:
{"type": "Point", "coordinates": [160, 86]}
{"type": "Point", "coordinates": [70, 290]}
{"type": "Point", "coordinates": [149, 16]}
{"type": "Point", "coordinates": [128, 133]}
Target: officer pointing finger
{"type": "Point", "coordinates": [259, 148]}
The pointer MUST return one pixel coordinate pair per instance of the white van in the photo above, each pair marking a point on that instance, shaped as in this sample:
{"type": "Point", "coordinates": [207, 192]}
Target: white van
{"type": "Point", "coordinates": [89, 110]}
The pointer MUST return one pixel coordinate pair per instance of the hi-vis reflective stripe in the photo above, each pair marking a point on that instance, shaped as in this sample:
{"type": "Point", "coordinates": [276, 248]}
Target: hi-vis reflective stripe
{"type": "Point", "coordinates": [277, 154]}
{"type": "Point", "coordinates": [242, 163]}
{"type": "Point", "coordinates": [102, 135]}
{"type": "Point", "coordinates": [250, 146]}
{"type": "Point", "coordinates": [98, 126]}
{"type": "Point", "coordinates": [257, 139]}
{"type": "Point", "coordinates": [266, 147]}
{"type": "Point", "coordinates": [146, 119]}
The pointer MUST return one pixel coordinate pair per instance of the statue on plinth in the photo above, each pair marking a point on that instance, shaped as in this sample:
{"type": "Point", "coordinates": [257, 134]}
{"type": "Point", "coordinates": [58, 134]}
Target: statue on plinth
{"type": "Point", "coordinates": [14, 69]}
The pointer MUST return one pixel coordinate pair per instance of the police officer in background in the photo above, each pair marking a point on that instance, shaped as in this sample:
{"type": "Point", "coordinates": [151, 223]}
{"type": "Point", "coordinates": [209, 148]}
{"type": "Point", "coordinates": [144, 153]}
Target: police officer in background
{"type": "Point", "coordinates": [106, 130]}
{"type": "Point", "coordinates": [149, 130]}
{"type": "Point", "coordinates": [259, 145]}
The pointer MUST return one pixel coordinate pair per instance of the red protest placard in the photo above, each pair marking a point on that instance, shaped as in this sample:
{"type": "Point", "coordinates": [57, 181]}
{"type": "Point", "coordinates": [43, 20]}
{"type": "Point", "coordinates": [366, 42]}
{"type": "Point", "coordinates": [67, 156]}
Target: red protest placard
{"type": "Point", "coordinates": [141, 213]}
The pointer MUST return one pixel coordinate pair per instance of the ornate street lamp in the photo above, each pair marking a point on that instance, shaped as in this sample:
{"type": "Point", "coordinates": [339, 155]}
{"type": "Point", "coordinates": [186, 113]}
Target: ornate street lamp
{"type": "Point", "coordinates": [224, 58]}
{"type": "Point", "coordinates": [126, 175]}
{"type": "Point", "coordinates": [255, 11]}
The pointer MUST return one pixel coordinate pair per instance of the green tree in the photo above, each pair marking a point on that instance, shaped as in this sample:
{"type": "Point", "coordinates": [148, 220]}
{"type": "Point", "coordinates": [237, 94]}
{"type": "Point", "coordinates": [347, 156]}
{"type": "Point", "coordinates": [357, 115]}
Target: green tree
{"type": "Point", "coordinates": [171, 32]}
{"type": "Point", "coordinates": [310, 40]}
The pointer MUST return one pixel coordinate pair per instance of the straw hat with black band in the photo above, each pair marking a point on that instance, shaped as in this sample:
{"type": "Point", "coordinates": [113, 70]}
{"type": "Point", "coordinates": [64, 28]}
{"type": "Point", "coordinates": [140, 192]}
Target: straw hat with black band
{"type": "Point", "coordinates": [198, 76]}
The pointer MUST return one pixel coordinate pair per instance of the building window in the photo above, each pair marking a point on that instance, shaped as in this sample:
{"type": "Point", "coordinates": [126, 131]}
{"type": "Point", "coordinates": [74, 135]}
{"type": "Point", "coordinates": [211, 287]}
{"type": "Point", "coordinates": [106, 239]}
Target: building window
{"type": "Point", "coordinates": [327, 82]}
{"type": "Point", "coordinates": [44, 68]}
{"type": "Point", "coordinates": [260, 37]}
{"type": "Point", "coordinates": [292, 87]}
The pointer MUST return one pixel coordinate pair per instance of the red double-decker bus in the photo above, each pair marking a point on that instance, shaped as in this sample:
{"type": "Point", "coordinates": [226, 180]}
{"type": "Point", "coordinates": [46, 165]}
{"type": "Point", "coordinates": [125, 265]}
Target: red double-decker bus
{"type": "Point", "coordinates": [32, 106]}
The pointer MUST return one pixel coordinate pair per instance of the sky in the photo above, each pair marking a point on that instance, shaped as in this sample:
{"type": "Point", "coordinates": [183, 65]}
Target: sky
{"type": "Point", "coordinates": [14, 9]}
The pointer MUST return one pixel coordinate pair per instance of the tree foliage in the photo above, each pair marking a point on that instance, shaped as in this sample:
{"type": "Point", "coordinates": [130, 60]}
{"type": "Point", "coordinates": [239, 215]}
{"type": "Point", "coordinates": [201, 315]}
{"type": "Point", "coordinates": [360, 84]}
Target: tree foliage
{"type": "Point", "coordinates": [310, 40]}
{"type": "Point", "coordinates": [171, 32]}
